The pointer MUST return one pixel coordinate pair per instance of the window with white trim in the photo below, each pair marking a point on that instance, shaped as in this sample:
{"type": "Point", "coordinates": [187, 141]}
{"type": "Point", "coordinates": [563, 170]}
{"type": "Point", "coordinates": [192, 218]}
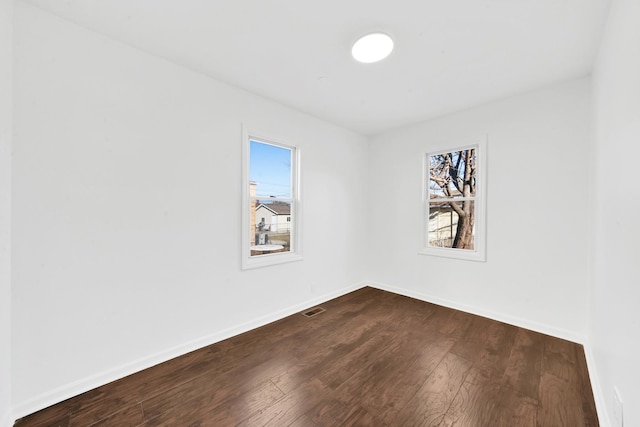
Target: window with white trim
{"type": "Point", "coordinates": [454, 202]}
{"type": "Point", "coordinates": [271, 208]}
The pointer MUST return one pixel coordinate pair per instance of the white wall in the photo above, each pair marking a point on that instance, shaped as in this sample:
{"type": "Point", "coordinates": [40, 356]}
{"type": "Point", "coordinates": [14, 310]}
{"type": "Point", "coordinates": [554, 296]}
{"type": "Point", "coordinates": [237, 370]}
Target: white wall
{"type": "Point", "coordinates": [6, 64]}
{"type": "Point", "coordinates": [125, 167]}
{"type": "Point", "coordinates": [536, 269]}
{"type": "Point", "coordinates": [615, 316]}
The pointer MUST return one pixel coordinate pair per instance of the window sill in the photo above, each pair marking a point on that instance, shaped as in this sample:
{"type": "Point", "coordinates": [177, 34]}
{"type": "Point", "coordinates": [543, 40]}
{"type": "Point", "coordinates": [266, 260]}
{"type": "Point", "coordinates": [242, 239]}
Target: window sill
{"type": "Point", "coordinates": [462, 254]}
{"type": "Point", "coordinates": [267, 260]}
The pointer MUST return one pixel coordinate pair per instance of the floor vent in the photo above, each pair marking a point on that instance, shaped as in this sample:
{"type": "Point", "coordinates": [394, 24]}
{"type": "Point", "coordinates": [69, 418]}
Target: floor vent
{"type": "Point", "coordinates": [313, 312]}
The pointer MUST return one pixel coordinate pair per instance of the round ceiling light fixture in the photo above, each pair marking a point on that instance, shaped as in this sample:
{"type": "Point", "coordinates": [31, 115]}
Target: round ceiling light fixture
{"type": "Point", "coordinates": [373, 47]}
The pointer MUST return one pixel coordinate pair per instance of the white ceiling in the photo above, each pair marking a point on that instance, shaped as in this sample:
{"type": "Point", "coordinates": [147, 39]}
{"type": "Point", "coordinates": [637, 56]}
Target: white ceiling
{"type": "Point", "coordinates": [449, 55]}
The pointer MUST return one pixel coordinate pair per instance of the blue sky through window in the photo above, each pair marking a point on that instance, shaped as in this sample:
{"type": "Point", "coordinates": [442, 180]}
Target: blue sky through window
{"type": "Point", "coordinates": [270, 169]}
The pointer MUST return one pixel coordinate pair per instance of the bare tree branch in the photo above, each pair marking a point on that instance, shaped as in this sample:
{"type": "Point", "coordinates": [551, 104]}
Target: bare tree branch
{"type": "Point", "coordinates": [457, 178]}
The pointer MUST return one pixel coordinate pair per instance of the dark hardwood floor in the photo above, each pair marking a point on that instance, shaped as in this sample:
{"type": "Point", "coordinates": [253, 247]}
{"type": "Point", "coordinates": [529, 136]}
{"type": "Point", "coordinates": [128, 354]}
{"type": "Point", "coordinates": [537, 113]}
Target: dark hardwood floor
{"type": "Point", "coordinates": [373, 358]}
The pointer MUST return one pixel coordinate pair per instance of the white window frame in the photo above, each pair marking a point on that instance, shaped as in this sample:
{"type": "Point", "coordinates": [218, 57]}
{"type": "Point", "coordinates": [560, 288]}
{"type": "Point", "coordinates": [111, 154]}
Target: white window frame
{"type": "Point", "coordinates": [479, 253]}
{"type": "Point", "coordinates": [295, 252]}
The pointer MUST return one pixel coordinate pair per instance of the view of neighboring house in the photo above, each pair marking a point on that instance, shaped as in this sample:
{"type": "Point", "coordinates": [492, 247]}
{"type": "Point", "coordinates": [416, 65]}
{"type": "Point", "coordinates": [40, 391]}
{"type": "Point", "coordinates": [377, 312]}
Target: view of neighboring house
{"type": "Point", "coordinates": [443, 223]}
{"type": "Point", "coordinates": [274, 216]}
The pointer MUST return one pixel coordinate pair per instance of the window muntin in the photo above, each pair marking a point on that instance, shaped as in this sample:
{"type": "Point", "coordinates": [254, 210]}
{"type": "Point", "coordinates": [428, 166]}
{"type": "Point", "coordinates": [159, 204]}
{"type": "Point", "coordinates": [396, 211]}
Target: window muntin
{"type": "Point", "coordinates": [271, 204]}
{"type": "Point", "coordinates": [453, 203]}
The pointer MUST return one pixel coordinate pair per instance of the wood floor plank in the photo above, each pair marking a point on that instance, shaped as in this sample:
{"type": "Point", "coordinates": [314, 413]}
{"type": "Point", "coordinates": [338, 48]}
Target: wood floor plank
{"type": "Point", "coordinates": [345, 365]}
{"type": "Point", "coordinates": [515, 410]}
{"type": "Point", "coordinates": [559, 403]}
{"type": "Point", "coordinates": [101, 403]}
{"type": "Point", "coordinates": [559, 359]}
{"type": "Point", "coordinates": [525, 363]}
{"type": "Point", "coordinates": [393, 333]}
{"type": "Point", "coordinates": [438, 321]}
{"type": "Point", "coordinates": [291, 407]}
{"type": "Point", "coordinates": [493, 354]}
{"type": "Point", "coordinates": [329, 354]}
{"type": "Point", "coordinates": [474, 339]}
{"type": "Point", "coordinates": [456, 325]}
{"type": "Point", "coordinates": [432, 401]}
{"type": "Point", "coordinates": [373, 358]}
{"type": "Point", "coordinates": [388, 397]}
{"type": "Point", "coordinates": [54, 416]}
{"type": "Point", "coordinates": [489, 401]}
{"type": "Point", "coordinates": [293, 375]}
{"type": "Point", "coordinates": [337, 411]}
{"type": "Point", "coordinates": [303, 421]}
{"type": "Point", "coordinates": [323, 358]}
{"type": "Point", "coordinates": [362, 376]}
{"type": "Point", "coordinates": [130, 416]}
{"type": "Point", "coordinates": [340, 404]}
{"type": "Point", "coordinates": [358, 417]}
{"type": "Point", "coordinates": [205, 410]}
{"type": "Point", "coordinates": [565, 360]}
{"type": "Point", "coordinates": [215, 389]}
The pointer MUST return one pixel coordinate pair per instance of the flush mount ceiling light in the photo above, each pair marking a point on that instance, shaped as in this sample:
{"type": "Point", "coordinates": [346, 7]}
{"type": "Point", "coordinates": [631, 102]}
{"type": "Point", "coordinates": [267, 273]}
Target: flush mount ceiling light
{"type": "Point", "coordinates": [373, 47]}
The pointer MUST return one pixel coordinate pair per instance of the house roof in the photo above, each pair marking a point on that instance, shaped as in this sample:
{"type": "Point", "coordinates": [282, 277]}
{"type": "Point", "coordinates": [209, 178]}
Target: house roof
{"type": "Point", "coordinates": [278, 208]}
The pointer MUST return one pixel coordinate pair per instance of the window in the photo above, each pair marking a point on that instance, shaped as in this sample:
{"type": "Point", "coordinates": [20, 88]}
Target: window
{"type": "Point", "coordinates": [270, 187]}
{"type": "Point", "coordinates": [454, 206]}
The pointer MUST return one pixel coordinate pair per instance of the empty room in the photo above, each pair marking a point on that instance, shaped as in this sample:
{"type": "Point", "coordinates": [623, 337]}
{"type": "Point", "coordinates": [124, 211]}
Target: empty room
{"type": "Point", "coordinates": [319, 213]}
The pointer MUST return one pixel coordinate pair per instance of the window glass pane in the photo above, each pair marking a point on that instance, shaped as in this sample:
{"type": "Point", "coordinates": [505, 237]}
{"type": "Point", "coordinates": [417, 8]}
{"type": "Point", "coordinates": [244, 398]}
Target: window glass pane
{"type": "Point", "coordinates": [271, 222]}
{"type": "Point", "coordinates": [451, 225]}
{"type": "Point", "coordinates": [270, 170]}
{"type": "Point", "coordinates": [452, 174]}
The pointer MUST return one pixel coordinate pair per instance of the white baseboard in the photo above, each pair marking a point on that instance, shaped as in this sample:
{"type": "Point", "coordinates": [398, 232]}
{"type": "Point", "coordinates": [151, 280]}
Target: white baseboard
{"type": "Point", "coordinates": [512, 320]}
{"type": "Point", "coordinates": [73, 389]}
{"type": "Point", "coordinates": [598, 396]}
